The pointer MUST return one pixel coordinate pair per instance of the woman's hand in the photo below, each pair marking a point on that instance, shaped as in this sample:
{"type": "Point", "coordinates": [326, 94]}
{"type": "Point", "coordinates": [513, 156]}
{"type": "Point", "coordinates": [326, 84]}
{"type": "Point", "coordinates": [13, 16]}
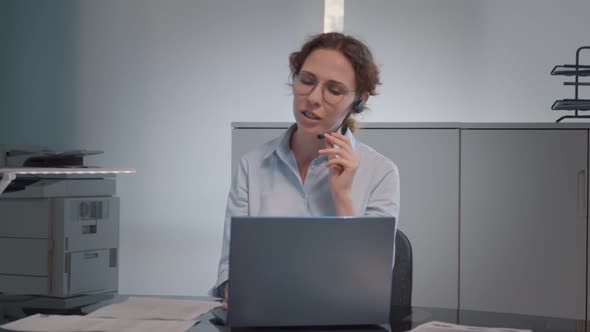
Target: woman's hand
{"type": "Point", "coordinates": [224, 303]}
{"type": "Point", "coordinates": [343, 164]}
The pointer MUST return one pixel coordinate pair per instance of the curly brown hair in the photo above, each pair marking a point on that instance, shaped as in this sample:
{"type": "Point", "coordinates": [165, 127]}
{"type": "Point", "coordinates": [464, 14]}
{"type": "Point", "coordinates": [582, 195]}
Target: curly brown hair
{"type": "Point", "coordinates": [366, 72]}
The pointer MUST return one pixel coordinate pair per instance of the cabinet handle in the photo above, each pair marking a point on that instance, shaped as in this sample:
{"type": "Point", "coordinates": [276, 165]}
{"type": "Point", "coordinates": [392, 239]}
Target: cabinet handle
{"type": "Point", "coordinates": [582, 194]}
{"type": "Point", "coordinates": [90, 255]}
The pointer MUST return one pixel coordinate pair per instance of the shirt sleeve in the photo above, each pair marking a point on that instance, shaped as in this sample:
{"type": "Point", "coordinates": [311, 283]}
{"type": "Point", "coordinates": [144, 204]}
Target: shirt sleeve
{"type": "Point", "coordinates": [384, 198]}
{"type": "Point", "coordinates": [237, 205]}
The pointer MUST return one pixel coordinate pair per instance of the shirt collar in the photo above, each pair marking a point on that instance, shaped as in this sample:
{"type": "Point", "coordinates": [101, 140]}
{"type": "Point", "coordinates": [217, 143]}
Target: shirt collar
{"type": "Point", "coordinates": [281, 144]}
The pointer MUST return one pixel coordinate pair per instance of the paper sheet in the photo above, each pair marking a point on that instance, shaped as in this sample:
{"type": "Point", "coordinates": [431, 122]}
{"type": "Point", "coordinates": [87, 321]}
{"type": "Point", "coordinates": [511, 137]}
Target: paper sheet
{"type": "Point", "coordinates": [448, 327]}
{"type": "Point", "coordinates": [156, 308]}
{"type": "Point", "coordinates": [58, 323]}
{"type": "Point", "coordinates": [136, 314]}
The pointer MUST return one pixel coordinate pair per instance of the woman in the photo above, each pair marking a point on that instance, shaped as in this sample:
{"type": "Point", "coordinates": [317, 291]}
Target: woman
{"type": "Point", "coordinates": [317, 168]}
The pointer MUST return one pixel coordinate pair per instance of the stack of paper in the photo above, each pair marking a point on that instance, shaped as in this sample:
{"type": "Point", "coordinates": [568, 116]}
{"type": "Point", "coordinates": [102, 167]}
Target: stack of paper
{"type": "Point", "coordinates": [447, 327]}
{"type": "Point", "coordinates": [134, 314]}
{"type": "Point", "coordinates": [55, 323]}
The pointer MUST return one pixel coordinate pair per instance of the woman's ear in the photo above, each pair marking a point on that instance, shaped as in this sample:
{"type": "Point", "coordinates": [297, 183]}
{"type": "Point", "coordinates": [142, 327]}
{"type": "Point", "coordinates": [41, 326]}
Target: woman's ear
{"type": "Point", "coordinates": [359, 105]}
{"type": "Point", "coordinates": [365, 97]}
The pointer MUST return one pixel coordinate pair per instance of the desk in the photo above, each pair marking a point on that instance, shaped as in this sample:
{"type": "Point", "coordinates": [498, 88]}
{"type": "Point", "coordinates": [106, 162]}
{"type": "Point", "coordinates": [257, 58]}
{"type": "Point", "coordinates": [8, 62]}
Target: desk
{"type": "Point", "coordinates": [418, 315]}
{"type": "Point", "coordinates": [422, 315]}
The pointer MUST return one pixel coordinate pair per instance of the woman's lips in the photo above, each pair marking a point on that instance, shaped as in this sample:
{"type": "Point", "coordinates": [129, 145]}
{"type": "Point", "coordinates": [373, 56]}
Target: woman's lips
{"type": "Point", "coordinates": [311, 115]}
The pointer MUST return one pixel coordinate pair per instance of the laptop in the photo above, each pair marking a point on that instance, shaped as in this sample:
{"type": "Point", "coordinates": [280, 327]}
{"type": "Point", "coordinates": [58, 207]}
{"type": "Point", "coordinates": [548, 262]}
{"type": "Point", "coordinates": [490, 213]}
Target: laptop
{"type": "Point", "coordinates": [309, 271]}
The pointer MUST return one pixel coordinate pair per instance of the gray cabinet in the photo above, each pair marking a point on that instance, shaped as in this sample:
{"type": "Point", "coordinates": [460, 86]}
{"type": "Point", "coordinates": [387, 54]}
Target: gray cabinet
{"type": "Point", "coordinates": [523, 230]}
{"type": "Point", "coordinates": [496, 213]}
{"type": "Point", "coordinates": [428, 162]}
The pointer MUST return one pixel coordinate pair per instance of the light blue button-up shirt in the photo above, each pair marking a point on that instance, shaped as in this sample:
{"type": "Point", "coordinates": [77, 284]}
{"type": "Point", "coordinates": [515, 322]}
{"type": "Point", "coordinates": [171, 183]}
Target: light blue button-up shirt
{"type": "Point", "coordinates": [267, 183]}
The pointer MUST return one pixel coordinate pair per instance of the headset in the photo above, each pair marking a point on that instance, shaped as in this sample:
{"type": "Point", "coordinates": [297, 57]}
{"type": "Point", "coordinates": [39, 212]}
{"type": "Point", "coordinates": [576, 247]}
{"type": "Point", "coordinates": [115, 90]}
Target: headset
{"type": "Point", "coordinates": [358, 107]}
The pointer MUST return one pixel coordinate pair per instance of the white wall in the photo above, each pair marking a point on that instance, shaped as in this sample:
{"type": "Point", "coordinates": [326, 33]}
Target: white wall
{"type": "Point", "coordinates": [470, 60]}
{"type": "Point", "coordinates": [156, 84]}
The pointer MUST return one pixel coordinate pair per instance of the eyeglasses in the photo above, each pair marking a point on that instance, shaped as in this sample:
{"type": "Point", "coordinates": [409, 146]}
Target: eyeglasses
{"type": "Point", "coordinates": [332, 92]}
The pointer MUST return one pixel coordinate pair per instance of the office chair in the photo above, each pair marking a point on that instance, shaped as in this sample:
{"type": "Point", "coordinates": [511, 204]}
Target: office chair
{"type": "Point", "coordinates": [401, 290]}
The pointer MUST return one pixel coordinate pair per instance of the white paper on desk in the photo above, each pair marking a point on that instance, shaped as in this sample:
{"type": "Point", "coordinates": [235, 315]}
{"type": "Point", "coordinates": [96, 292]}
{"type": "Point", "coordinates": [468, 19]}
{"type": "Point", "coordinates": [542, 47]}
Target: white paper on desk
{"type": "Point", "coordinates": [156, 308]}
{"type": "Point", "coordinates": [448, 327]}
{"type": "Point", "coordinates": [58, 323]}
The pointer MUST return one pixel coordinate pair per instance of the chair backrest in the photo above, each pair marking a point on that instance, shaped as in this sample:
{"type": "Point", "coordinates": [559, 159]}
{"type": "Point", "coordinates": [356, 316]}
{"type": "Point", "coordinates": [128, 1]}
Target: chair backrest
{"type": "Point", "coordinates": [401, 290]}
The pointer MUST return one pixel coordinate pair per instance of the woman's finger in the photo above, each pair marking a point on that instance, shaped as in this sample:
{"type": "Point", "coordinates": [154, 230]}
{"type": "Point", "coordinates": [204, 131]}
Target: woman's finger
{"type": "Point", "coordinates": [338, 139]}
{"type": "Point", "coordinates": [347, 164]}
{"type": "Point", "coordinates": [337, 153]}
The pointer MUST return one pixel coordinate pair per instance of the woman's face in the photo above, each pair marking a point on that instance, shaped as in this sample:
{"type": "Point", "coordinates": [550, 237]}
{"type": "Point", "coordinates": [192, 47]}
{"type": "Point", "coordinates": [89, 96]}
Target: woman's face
{"type": "Point", "coordinates": [323, 92]}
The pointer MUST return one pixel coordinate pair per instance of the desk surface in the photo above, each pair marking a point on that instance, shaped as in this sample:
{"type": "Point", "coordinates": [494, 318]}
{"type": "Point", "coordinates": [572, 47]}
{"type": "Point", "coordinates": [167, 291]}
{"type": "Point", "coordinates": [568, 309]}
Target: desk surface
{"type": "Point", "coordinates": [420, 315]}
{"type": "Point", "coordinates": [416, 316]}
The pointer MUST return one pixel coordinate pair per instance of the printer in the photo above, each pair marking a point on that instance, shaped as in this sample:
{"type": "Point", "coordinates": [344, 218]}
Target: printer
{"type": "Point", "coordinates": [59, 225]}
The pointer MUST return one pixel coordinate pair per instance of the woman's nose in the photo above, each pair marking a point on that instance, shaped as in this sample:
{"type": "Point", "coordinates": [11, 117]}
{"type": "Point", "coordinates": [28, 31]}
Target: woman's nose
{"type": "Point", "coordinates": [315, 96]}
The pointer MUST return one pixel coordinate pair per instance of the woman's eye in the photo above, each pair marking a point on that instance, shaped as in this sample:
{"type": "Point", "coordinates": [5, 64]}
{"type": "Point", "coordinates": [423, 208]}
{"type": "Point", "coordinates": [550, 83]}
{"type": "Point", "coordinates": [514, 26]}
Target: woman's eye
{"type": "Point", "coordinates": [335, 91]}
{"type": "Point", "coordinates": [307, 81]}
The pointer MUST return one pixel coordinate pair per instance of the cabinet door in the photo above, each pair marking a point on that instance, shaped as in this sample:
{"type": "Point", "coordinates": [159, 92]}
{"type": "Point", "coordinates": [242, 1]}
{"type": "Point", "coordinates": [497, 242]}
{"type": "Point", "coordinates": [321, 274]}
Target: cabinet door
{"type": "Point", "coordinates": [428, 162]}
{"type": "Point", "coordinates": [522, 237]}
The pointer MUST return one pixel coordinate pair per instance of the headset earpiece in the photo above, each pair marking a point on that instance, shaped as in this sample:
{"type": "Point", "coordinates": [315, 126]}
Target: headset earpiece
{"type": "Point", "coordinates": [359, 106]}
